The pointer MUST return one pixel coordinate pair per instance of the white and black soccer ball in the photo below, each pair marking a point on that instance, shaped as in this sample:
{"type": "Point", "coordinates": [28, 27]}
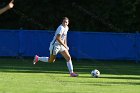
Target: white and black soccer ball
{"type": "Point", "coordinates": [95, 73]}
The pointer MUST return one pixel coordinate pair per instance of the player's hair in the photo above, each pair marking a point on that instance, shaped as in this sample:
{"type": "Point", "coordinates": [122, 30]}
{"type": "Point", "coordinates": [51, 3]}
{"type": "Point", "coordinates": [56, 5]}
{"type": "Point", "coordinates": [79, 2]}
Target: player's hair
{"type": "Point", "coordinates": [65, 18]}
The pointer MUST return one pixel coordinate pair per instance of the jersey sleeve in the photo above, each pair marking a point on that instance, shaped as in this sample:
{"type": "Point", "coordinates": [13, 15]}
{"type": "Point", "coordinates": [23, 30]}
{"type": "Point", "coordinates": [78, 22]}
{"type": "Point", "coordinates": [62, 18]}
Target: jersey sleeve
{"type": "Point", "coordinates": [59, 30]}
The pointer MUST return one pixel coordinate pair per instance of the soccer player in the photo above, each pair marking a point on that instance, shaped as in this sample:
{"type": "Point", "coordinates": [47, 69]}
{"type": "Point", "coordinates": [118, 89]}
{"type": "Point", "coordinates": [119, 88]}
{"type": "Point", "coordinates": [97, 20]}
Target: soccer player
{"type": "Point", "coordinates": [59, 45]}
{"type": "Point", "coordinates": [9, 6]}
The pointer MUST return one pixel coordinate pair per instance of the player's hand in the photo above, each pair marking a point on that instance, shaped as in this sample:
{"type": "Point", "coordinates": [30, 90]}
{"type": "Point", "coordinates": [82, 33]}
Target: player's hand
{"type": "Point", "coordinates": [67, 48]}
{"type": "Point", "coordinates": [11, 5]}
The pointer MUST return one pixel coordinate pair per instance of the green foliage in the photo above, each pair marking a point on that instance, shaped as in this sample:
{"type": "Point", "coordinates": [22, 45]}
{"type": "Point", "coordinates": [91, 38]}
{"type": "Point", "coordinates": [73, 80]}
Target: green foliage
{"type": "Point", "coordinates": [91, 15]}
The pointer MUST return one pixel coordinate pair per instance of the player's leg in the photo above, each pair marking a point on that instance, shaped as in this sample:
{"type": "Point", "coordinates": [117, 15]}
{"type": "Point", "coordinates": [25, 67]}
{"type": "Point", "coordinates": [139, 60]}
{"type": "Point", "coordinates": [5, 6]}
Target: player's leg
{"type": "Point", "coordinates": [37, 58]}
{"type": "Point", "coordinates": [44, 59]}
{"type": "Point", "coordinates": [52, 58]}
{"type": "Point", "coordinates": [54, 49]}
{"type": "Point", "coordinates": [67, 56]}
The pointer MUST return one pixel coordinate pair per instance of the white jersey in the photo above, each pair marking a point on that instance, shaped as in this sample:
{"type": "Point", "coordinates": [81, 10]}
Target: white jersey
{"type": "Point", "coordinates": [63, 33]}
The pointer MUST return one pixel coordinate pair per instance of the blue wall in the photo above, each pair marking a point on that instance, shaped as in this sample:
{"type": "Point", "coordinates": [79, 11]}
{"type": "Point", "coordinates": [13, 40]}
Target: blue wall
{"type": "Point", "coordinates": [92, 45]}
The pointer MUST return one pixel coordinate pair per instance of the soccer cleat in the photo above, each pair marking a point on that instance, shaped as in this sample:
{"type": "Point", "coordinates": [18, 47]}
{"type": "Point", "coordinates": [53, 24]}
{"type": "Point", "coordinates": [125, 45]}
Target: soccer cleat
{"type": "Point", "coordinates": [73, 74]}
{"type": "Point", "coordinates": [35, 59]}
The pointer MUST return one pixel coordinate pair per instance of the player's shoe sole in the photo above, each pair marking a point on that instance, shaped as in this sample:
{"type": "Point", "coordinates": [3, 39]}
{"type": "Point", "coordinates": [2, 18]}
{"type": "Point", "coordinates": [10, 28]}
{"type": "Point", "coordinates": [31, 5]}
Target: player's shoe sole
{"type": "Point", "coordinates": [35, 59]}
{"type": "Point", "coordinates": [73, 75]}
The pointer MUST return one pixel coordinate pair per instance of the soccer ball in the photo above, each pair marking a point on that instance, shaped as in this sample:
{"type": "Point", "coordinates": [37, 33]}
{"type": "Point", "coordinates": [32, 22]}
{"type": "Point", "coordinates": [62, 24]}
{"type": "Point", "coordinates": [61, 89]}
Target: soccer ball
{"type": "Point", "coordinates": [95, 73]}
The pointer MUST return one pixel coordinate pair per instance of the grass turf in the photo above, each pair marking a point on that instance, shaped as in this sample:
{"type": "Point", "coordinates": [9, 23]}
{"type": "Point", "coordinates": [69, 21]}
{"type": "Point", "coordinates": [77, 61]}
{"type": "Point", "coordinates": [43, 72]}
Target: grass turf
{"type": "Point", "coordinates": [21, 76]}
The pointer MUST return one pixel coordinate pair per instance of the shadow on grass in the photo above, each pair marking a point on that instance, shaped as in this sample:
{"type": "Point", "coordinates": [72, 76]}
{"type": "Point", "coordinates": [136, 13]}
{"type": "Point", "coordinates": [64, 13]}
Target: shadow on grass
{"type": "Point", "coordinates": [98, 82]}
{"type": "Point", "coordinates": [26, 66]}
{"type": "Point", "coordinates": [14, 65]}
{"type": "Point", "coordinates": [111, 83]}
{"type": "Point", "coordinates": [105, 83]}
{"type": "Point", "coordinates": [116, 77]}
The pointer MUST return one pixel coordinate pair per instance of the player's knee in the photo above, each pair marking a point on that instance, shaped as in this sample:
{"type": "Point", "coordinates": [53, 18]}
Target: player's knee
{"type": "Point", "coordinates": [68, 58]}
{"type": "Point", "coordinates": [51, 60]}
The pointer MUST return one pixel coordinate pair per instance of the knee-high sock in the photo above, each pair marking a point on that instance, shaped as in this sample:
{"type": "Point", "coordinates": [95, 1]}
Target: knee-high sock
{"type": "Point", "coordinates": [70, 66]}
{"type": "Point", "coordinates": [43, 59]}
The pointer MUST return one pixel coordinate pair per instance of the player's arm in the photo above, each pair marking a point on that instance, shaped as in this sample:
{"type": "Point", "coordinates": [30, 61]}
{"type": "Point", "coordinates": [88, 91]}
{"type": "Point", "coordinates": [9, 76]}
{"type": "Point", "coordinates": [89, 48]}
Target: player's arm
{"type": "Point", "coordinates": [65, 41]}
{"type": "Point", "coordinates": [58, 38]}
{"type": "Point", "coordinates": [9, 6]}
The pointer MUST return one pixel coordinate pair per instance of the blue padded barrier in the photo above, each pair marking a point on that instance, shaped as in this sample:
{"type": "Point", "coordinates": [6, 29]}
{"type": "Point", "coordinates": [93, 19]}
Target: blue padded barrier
{"type": "Point", "coordinates": [89, 45]}
{"type": "Point", "coordinates": [9, 43]}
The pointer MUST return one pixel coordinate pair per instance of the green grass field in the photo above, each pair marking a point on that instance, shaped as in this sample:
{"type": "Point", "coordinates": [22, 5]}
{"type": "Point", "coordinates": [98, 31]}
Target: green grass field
{"type": "Point", "coordinates": [21, 76]}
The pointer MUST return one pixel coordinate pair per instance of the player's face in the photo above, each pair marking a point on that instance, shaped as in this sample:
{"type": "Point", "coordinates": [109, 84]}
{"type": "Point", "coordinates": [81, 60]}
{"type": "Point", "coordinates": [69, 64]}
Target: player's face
{"type": "Point", "coordinates": [65, 22]}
